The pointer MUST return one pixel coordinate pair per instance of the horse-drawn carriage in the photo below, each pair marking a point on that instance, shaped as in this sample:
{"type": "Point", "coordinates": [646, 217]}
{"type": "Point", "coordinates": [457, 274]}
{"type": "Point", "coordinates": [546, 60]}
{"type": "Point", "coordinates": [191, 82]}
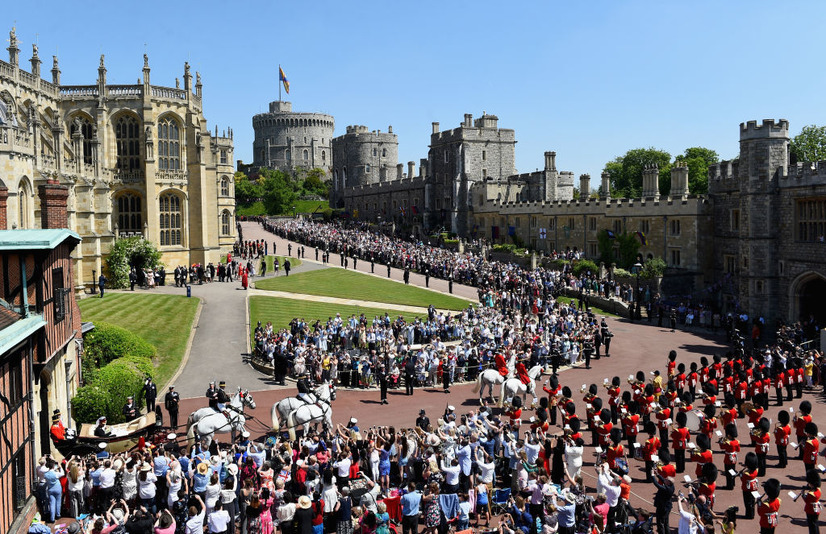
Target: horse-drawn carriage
{"type": "Point", "coordinates": [120, 438]}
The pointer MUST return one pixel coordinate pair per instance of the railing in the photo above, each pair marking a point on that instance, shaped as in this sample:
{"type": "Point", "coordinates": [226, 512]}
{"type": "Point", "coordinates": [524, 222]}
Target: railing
{"type": "Point", "coordinates": [168, 92]}
{"type": "Point", "coordinates": [28, 78]}
{"type": "Point", "coordinates": [127, 177]}
{"type": "Point", "coordinates": [6, 69]}
{"type": "Point", "coordinates": [89, 169]}
{"type": "Point", "coordinates": [79, 90]}
{"type": "Point", "coordinates": [49, 87]}
{"type": "Point", "coordinates": [124, 90]}
{"type": "Point", "coordinates": [48, 161]}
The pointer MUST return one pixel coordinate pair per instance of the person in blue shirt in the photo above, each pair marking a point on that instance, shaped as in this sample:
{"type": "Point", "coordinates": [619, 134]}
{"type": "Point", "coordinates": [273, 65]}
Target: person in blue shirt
{"type": "Point", "coordinates": [411, 502]}
{"type": "Point", "coordinates": [566, 513]}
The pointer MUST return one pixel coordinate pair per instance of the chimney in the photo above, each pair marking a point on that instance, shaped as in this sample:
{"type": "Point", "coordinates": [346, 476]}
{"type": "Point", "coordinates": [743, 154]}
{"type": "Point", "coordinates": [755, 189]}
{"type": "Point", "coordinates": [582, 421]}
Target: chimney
{"type": "Point", "coordinates": [399, 171]}
{"type": "Point", "coordinates": [435, 127]}
{"type": "Point", "coordinates": [605, 189]}
{"type": "Point", "coordinates": [679, 180]}
{"type": "Point", "coordinates": [4, 197]}
{"type": "Point", "coordinates": [53, 199]}
{"type": "Point", "coordinates": [550, 161]}
{"type": "Point", "coordinates": [468, 120]}
{"type": "Point", "coordinates": [411, 168]}
{"type": "Point", "coordinates": [422, 167]}
{"type": "Point", "coordinates": [584, 186]}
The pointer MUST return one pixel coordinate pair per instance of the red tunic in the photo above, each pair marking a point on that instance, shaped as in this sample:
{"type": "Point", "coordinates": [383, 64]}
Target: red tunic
{"type": "Point", "coordinates": [812, 500]}
{"type": "Point", "coordinates": [810, 450]}
{"type": "Point", "coordinates": [501, 365]}
{"type": "Point", "coordinates": [730, 448]}
{"type": "Point", "coordinates": [701, 457]}
{"type": "Point", "coordinates": [761, 443]}
{"type": "Point", "coordinates": [781, 435]}
{"type": "Point", "coordinates": [679, 437]}
{"type": "Point", "coordinates": [749, 480]}
{"type": "Point", "coordinates": [651, 446]}
{"type": "Point", "coordinates": [768, 513]}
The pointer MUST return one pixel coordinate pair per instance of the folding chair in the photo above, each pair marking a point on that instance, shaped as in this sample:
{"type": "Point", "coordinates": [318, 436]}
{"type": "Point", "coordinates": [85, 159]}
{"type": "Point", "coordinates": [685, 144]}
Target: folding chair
{"type": "Point", "coordinates": [499, 501]}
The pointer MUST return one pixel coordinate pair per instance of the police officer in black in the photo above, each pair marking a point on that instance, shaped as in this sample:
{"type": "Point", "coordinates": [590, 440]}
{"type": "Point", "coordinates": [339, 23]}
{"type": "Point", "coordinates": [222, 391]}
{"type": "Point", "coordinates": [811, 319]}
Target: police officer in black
{"type": "Point", "coordinates": [212, 396]}
{"type": "Point", "coordinates": [406, 275]}
{"type": "Point", "coordinates": [170, 402]}
{"type": "Point", "coordinates": [381, 377]}
{"type": "Point", "coordinates": [150, 394]}
{"type": "Point", "coordinates": [409, 375]}
{"type": "Point", "coordinates": [422, 421]}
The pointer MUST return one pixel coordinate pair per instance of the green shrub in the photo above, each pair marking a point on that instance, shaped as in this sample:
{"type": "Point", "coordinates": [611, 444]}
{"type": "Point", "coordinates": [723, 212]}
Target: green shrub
{"type": "Point", "coordinates": [89, 403]}
{"type": "Point", "coordinates": [120, 379]}
{"type": "Point", "coordinates": [127, 253]}
{"type": "Point", "coordinates": [107, 342]}
{"type": "Point", "coordinates": [653, 268]}
{"type": "Point", "coordinates": [505, 247]}
{"type": "Point", "coordinates": [142, 363]}
{"type": "Point", "coordinates": [622, 273]}
{"type": "Point", "coordinates": [581, 267]}
{"type": "Point", "coordinates": [559, 263]}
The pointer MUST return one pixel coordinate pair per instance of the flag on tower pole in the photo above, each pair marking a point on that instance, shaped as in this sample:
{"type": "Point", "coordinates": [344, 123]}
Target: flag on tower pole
{"type": "Point", "coordinates": [284, 81]}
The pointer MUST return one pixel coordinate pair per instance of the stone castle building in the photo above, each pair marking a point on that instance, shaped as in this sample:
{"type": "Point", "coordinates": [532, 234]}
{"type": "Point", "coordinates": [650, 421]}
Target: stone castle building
{"type": "Point", "coordinates": [138, 159]}
{"type": "Point", "coordinates": [754, 243]}
{"type": "Point", "coordinates": [286, 140]}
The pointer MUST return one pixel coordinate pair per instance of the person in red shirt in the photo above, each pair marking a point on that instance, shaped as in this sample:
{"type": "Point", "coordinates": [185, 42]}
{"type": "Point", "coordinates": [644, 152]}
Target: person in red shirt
{"type": "Point", "coordinates": [664, 422]}
{"type": "Point", "coordinates": [630, 420]}
{"type": "Point", "coordinates": [748, 483]}
{"type": "Point", "coordinates": [57, 431]}
{"type": "Point", "coordinates": [615, 451]}
{"type": "Point", "coordinates": [769, 506]}
{"type": "Point", "coordinates": [553, 390]}
{"type": "Point", "coordinates": [680, 379]}
{"type": "Point", "coordinates": [501, 364]}
{"type": "Point", "coordinates": [701, 455]}
{"type": "Point", "coordinates": [707, 483]}
{"type": "Point", "coordinates": [679, 441]}
{"type": "Point", "coordinates": [810, 447]}
{"type": "Point", "coordinates": [729, 414]}
{"type": "Point", "coordinates": [731, 448]}
{"type": "Point", "coordinates": [604, 427]}
{"type": "Point", "coordinates": [791, 379]}
{"type": "Point", "coordinates": [709, 423]}
{"type": "Point", "coordinates": [762, 441]}
{"type": "Point", "coordinates": [709, 394]}
{"type": "Point", "coordinates": [800, 421]}
{"type": "Point", "coordinates": [614, 398]}
{"type": "Point", "coordinates": [672, 363]}
{"type": "Point", "coordinates": [692, 380]}
{"type": "Point", "coordinates": [811, 498]}
{"type": "Point", "coordinates": [514, 413]}
{"type": "Point", "coordinates": [650, 448]}
{"type": "Point", "coordinates": [779, 381]}
{"type": "Point", "coordinates": [665, 468]}
{"type": "Point", "coordinates": [782, 431]}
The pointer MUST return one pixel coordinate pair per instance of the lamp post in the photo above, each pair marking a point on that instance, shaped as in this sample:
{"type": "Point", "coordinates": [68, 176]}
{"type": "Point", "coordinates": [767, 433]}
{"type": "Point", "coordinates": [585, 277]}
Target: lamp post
{"type": "Point", "coordinates": [293, 212]}
{"type": "Point", "coordinates": [638, 270]}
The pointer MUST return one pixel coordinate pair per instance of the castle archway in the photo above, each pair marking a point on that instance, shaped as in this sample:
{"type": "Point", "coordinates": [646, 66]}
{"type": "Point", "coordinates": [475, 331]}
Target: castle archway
{"type": "Point", "coordinates": [808, 295]}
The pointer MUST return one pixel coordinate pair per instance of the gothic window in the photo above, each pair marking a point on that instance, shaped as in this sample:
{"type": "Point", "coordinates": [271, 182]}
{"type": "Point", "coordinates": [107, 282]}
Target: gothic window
{"type": "Point", "coordinates": [375, 152]}
{"type": "Point", "coordinates": [127, 138]}
{"type": "Point", "coordinates": [169, 145]}
{"type": "Point", "coordinates": [86, 131]}
{"type": "Point", "coordinates": [130, 214]}
{"type": "Point", "coordinates": [617, 226]}
{"type": "Point", "coordinates": [645, 227]}
{"type": "Point", "coordinates": [287, 155]}
{"type": "Point", "coordinates": [675, 227]}
{"type": "Point", "coordinates": [226, 219]}
{"type": "Point", "coordinates": [384, 152]}
{"type": "Point", "coordinates": [224, 157]}
{"type": "Point", "coordinates": [24, 205]}
{"type": "Point", "coordinates": [324, 155]}
{"type": "Point", "coordinates": [170, 223]}
{"type": "Point", "coordinates": [306, 155]}
{"type": "Point", "coordinates": [811, 220]}
{"type": "Point", "coordinates": [224, 186]}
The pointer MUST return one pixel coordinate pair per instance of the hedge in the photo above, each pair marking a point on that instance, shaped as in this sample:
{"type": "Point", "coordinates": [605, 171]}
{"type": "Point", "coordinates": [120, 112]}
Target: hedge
{"type": "Point", "coordinates": [107, 394]}
{"type": "Point", "coordinates": [583, 266]}
{"type": "Point", "coordinates": [89, 403]}
{"type": "Point", "coordinates": [107, 342]}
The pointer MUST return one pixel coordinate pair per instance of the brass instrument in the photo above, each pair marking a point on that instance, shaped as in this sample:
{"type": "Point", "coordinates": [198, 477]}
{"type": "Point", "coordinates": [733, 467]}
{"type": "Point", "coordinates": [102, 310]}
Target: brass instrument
{"type": "Point", "coordinates": [746, 406]}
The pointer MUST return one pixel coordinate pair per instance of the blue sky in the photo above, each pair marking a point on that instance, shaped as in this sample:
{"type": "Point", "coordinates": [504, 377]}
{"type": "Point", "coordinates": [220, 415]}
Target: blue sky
{"type": "Point", "coordinates": [589, 80]}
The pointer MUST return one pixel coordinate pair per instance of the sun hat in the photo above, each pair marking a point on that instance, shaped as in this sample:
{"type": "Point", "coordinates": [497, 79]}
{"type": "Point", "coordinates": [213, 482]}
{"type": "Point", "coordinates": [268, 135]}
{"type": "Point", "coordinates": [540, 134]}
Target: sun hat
{"type": "Point", "coordinates": [304, 502]}
{"type": "Point", "coordinates": [146, 467]}
{"type": "Point", "coordinates": [203, 468]}
{"type": "Point", "coordinates": [232, 469]}
{"type": "Point", "coordinates": [117, 464]}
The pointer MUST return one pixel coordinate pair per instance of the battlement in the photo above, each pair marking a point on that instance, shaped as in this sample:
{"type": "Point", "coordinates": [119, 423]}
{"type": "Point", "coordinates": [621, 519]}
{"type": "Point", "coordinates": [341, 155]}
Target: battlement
{"type": "Point", "coordinates": [805, 174]}
{"type": "Point", "coordinates": [615, 207]}
{"type": "Point", "coordinates": [768, 129]}
{"type": "Point", "coordinates": [725, 170]}
{"type": "Point", "coordinates": [361, 130]}
{"type": "Point", "coordinates": [357, 129]}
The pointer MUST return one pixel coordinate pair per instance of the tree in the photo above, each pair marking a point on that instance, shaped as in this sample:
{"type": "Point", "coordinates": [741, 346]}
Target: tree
{"type": "Point", "coordinates": [130, 252]}
{"type": "Point", "coordinates": [698, 159]}
{"type": "Point", "coordinates": [626, 171]}
{"type": "Point", "coordinates": [606, 248]}
{"type": "Point", "coordinates": [278, 191]}
{"type": "Point", "coordinates": [629, 246]}
{"type": "Point", "coordinates": [314, 183]}
{"type": "Point", "coordinates": [809, 144]}
{"type": "Point", "coordinates": [246, 191]}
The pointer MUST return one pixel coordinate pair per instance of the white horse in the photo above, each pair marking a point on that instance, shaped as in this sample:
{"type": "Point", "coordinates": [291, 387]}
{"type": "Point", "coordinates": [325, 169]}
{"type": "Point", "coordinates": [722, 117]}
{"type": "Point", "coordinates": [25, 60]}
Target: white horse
{"type": "Point", "coordinates": [491, 377]}
{"type": "Point", "coordinates": [282, 409]}
{"type": "Point", "coordinates": [304, 415]}
{"type": "Point", "coordinates": [514, 386]}
{"type": "Point", "coordinates": [206, 421]}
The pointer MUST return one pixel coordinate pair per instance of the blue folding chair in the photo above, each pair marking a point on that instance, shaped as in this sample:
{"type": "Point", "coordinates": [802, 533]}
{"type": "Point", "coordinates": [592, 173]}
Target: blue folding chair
{"type": "Point", "coordinates": [499, 502]}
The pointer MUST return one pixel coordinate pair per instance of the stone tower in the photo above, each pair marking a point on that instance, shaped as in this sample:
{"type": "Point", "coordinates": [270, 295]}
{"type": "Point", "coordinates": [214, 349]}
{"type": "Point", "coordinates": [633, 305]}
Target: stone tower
{"type": "Point", "coordinates": [764, 159]}
{"type": "Point", "coordinates": [286, 140]}
{"type": "Point", "coordinates": [363, 157]}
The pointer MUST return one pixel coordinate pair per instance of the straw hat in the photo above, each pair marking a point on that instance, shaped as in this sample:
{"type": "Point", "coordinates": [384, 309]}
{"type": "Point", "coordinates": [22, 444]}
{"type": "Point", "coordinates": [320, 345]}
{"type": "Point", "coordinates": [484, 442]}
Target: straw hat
{"type": "Point", "coordinates": [117, 464]}
{"type": "Point", "coordinates": [146, 467]}
{"type": "Point", "coordinates": [304, 502]}
{"type": "Point", "coordinates": [203, 468]}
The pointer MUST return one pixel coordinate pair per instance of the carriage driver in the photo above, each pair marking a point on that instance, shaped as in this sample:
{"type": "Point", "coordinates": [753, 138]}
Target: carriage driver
{"type": "Point", "coordinates": [304, 391]}
{"type": "Point", "coordinates": [221, 396]}
{"type": "Point", "coordinates": [59, 432]}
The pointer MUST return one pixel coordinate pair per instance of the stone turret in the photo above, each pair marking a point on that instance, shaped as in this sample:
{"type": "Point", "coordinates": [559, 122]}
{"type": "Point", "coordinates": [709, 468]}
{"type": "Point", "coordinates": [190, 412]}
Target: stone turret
{"type": "Point", "coordinates": [605, 188]}
{"type": "Point", "coordinates": [584, 186]}
{"type": "Point", "coordinates": [679, 180]}
{"type": "Point", "coordinates": [550, 161]}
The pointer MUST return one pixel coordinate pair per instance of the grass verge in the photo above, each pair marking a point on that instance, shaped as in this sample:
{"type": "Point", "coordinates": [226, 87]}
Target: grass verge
{"type": "Point", "coordinates": [163, 320]}
{"type": "Point", "coordinates": [597, 311]}
{"type": "Point", "coordinates": [294, 262]}
{"type": "Point", "coordinates": [341, 283]}
{"type": "Point", "coordinates": [282, 310]}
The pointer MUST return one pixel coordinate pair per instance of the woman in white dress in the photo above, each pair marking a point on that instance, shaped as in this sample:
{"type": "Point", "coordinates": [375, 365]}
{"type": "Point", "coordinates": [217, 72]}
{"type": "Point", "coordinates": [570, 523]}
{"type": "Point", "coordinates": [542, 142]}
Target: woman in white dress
{"type": "Point", "coordinates": [129, 481]}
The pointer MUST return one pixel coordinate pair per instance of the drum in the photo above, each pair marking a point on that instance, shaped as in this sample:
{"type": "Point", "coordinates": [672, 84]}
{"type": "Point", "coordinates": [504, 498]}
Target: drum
{"type": "Point", "coordinates": [693, 420]}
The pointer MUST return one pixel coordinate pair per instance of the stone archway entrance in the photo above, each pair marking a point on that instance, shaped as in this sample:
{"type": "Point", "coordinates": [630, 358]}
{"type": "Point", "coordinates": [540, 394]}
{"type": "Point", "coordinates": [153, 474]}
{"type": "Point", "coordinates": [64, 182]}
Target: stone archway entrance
{"type": "Point", "coordinates": [809, 294]}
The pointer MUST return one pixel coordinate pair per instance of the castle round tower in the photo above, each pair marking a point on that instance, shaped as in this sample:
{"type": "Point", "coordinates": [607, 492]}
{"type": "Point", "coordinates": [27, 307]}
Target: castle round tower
{"type": "Point", "coordinates": [286, 140]}
{"type": "Point", "coordinates": [363, 157]}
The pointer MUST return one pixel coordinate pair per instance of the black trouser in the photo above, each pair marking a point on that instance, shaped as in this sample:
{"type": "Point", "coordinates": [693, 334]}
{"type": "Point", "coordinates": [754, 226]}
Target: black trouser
{"type": "Point", "coordinates": [662, 520]}
{"type": "Point", "coordinates": [408, 384]}
{"type": "Point", "coordinates": [748, 504]}
{"type": "Point", "coordinates": [150, 405]}
{"type": "Point", "coordinates": [779, 392]}
{"type": "Point", "coordinates": [782, 456]}
{"type": "Point", "coordinates": [729, 476]}
{"type": "Point", "coordinates": [761, 465]}
{"type": "Point", "coordinates": [679, 459]}
{"type": "Point", "coordinates": [553, 415]}
{"type": "Point", "coordinates": [410, 524]}
{"type": "Point", "coordinates": [649, 466]}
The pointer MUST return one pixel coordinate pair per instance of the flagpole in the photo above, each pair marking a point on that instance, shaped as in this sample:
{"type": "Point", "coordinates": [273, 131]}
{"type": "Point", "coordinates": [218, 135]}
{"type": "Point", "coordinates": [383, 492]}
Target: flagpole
{"type": "Point", "coordinates": [279, 82]}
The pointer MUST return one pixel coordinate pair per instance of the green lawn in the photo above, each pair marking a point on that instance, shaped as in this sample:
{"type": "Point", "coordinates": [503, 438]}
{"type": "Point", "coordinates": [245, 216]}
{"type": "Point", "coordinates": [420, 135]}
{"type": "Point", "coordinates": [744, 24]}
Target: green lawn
{"type": "Point", "coordinates": [163, 320]}
{"type": "Point", "coordinates": [310, 206]}
{"type": "Point", "coordinates": [353, 285]}
{"type": "Point", "coordinates": [301, 206]}
{"type": "Point", "coordinates": [281, 311]}
{"type": "Point", "coordinates": [597, 311]}
{"type": "Point", "coordinates": [294, 262]}
{"type": "Point", "coordinates": [253, 210]}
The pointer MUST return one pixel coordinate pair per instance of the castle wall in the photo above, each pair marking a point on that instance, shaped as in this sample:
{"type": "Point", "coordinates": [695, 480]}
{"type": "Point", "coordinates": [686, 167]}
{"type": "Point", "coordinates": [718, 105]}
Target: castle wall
{"type": "Point", "coordinates": [285, 139]}
{"type": "Point", "coordinates": [363, 157]}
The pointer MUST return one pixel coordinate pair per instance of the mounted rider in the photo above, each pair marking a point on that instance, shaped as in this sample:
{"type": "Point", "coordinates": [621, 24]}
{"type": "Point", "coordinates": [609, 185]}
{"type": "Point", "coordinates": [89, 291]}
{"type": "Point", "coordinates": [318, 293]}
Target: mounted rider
{"type": "Point", "coordinates": [304, 390]}
{"type": "Point", "coordinates": [501, 364]}
{"type": "Point", "coordinates": [222, 396]}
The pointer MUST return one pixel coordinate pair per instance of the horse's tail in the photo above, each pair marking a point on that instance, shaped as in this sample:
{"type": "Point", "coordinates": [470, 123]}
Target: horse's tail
{"type": "Point", "coordinates": [276, 424]}
{"type": "Point", "coordinates": [478, 382]}
{"type": "Point", "coordinates": [190, 435]}
{"type": "Point", "coordinates": [291, 425]}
